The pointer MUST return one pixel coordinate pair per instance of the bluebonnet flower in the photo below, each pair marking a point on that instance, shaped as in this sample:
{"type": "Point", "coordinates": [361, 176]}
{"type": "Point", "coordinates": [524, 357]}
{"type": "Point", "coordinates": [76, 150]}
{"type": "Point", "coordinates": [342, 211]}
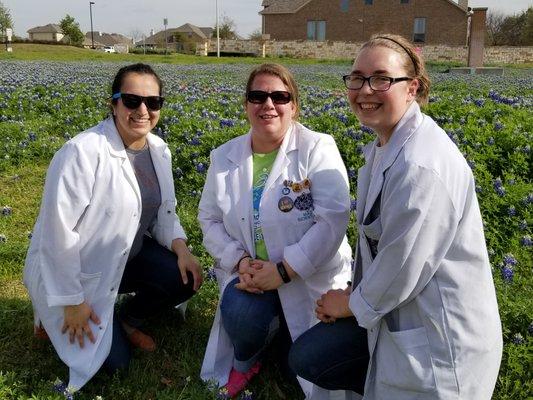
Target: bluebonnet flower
{"type": "Point", "coordinates": [500, 191]}
{"type": "Point", "coordinates": [32, 137]}
{"type": "Point", "coordinates": [6, 211]}
{"type": "Point", "coordinates": [195, 141]}
{"type": "Point", "coordinates": [490, 141]}
{"type": "Point", "coordinates": [479, 189]}
{"type": "Point", "coordinates": [507, 273]}
{"type": "Point", "coordinates": [509, 259]}
{"type": "Point", "coordinates": [247, 395]}
{"type": "Point", "coordinates": [511, 211]}
{"type": "Point", "coordinates": [62, 388]}
{"type": "Point", "coordinates": [522, 225]}
{"type": "Point", "coordinates": [366, 129]}
{"type": "Point", "coordinates": [3, 238]}
{"type": "Point", "coordinates": [201, 168]}
{"type": "Point", "coordinates": [526, 241]}
{"type": "Point", "coordinates": [211, 275]}
{"type": "Point", "coordinates": [178, 173]}
{"type": "Point", "coordinates": [223, 394]}
{"type": "Point", "coordinates": [479, 102]}
{"type": "Point", "coordinates": [343, 118]}
{"type": "Point", "coordinates": [498, 126]}
{"type": "Point", "coordinates": [518, 339]}
{"type": "Point", "coordinates": [352, 173]}
{"type": "Point", "coordinates": [29, 234]}
{"type": "Point", "coordinates": [530, 328]}
{"type": "Point", "coordinates": [353, 204]}
{"type": "Point", "coordinates": [226, 122]}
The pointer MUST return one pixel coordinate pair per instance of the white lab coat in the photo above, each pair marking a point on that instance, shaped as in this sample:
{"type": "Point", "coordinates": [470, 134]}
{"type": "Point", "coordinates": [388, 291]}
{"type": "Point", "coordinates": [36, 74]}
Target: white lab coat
{"type": "Point", "coordinates": [315, 246]}
{"type": "Point", "coordinates": [89, 216]}
{"type": "Point", "coordinates": [428, 298]}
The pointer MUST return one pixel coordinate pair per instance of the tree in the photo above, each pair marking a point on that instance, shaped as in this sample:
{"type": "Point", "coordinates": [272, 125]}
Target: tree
{"type": "Point", "coordinates": [71, 28]}
{"type": "Point", "coordinates": [510, 30]}
{"type": "Point", "coordinates": [5, 19]}
{"type": "Point", "coordinates": [493, 23]}
{"type": "Point", "coordinates": [136, 35]}
{"type": "Point", "coordinates": [227, 29]}
{"type": "Point", "coordinates": [256, 35]}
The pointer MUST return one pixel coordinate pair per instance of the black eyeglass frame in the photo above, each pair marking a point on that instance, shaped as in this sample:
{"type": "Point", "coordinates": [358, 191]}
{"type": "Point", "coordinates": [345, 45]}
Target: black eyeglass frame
{"type": "Point", "coordinates": [260, 96]}
{"type": "Point", "coordinates": [134, 101]}
{"type": "Point", "coordinates": [369, 78]}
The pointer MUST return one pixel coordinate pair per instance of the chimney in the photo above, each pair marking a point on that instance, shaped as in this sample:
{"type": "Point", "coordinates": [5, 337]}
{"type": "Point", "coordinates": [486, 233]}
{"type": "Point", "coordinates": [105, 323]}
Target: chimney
{"type": "Point", "coordinates": [463, 4]}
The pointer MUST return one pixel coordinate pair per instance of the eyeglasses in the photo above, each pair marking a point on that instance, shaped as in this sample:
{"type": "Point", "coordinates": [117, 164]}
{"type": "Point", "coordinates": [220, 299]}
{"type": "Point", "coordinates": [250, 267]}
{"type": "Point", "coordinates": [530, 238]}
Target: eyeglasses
{"type": "Point", "coordinates": [133, 101]}
{"type": "Point", "coordinates": [378, 83]}
{"type": "Point", "coordinates": [259, 96]}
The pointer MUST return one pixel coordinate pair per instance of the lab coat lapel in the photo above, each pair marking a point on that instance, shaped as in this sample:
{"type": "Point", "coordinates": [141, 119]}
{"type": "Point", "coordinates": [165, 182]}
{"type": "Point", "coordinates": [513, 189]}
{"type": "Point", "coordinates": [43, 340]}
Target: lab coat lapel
{"type": "Point", "coordinates": [363, 182]}
{"type": "Point", "coordinates": [407, 125]}
{"type": "Point", "coordinates": [241, 156]}
{"type": "Point", "coordinates": [161, 163]}
{"type": "Point", "coordinates": [117, 149]}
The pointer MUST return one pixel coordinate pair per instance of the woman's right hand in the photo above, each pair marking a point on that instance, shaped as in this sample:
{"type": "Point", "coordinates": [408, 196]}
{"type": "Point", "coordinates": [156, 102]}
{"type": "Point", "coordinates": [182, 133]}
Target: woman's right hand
{"type": "Point", "coordinates": [76, 322]}
{"type": "Point", "coordinates": [245, 276]}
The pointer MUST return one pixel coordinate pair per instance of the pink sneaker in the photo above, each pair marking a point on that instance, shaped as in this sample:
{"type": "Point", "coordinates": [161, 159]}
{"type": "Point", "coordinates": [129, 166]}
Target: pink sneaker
{"type": "Point", "coordinates": [239, 380]}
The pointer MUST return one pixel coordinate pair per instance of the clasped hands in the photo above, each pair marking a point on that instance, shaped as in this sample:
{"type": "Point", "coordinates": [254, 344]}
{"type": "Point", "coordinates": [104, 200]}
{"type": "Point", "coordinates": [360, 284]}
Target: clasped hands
{"type": "Point", "coordinates": [256, 276]}
{"type": "Point", "coordinates": [334, 304]}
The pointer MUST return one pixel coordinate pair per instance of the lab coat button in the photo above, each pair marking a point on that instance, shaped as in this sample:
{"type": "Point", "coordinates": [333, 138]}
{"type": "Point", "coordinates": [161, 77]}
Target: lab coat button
{"type": "Point", "coordinates": [112, 288]}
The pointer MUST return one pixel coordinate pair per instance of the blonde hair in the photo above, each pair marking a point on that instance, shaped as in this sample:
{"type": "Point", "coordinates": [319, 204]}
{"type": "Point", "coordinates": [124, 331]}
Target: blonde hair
{"type": "Point", "coordinates": [282, 73]}
{"type": "Point", "coordinates": [412, 61]}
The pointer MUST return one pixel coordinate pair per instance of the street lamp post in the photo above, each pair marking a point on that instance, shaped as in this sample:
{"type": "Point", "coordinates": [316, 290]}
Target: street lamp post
{"type": "Point", "coordinates": [91, 12]}
{"type": "Point", "coordinates": [218, 30]}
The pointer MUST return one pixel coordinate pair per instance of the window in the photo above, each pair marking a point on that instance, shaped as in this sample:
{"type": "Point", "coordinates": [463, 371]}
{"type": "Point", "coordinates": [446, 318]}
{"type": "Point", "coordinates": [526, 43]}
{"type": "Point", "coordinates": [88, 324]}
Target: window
{"type": "Point", "coordinates": [419, 30]}
{"type": "Point", "coordinates": [316, 30]}
{"type": "Point", "coordinates": [368, 2]}
{"type": "Point", "coordinates": [345, 5]}
{"type": "Point", "coordinates": [404, 1]}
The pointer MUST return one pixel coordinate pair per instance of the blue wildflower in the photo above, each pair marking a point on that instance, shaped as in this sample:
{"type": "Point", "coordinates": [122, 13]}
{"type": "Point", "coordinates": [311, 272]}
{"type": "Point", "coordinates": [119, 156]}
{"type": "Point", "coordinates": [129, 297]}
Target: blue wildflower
{"type": "Point", "coordinates": [490, 141]}
{"type": "Point", "coordinates": [366, 129]}
{"type": "Point", "coordinates": [247, 395]}
{"type": "Point", "coordinates": [509, 259]}
{"type": "Point", "coordinates": [178, 173]}
{"type": "Point", "coordinates": [526, 241]}
{"type": "Point", "coordinates": [32, 137]}
{"type": "Point", "coordinates": [500, 191]}
{"type": "Point", "coordinates": [6, 211]}
{"type": "Point", "coordinates": [507, 273]}
{"type": "Point", "coordinates": [211, 275]}
{"type": "Point", "coordinates": [522, 225]}
{"type": "Point", "coordinates": [530, 328]}
{"type": "Point", "coordinates": [201, 168]}
{"type": "Point", "coordinates": [511, 211]}
{"type": "Point", "coordinates": [352, 173]}
{"type": "Point", "coordinates": [498, 126]}
{"type": "Point", "coordinates": [353, 204]}
{"type": "Point", "coordinates": [3, 238]}
{"type": "Point", "coordinates": [518, 339]}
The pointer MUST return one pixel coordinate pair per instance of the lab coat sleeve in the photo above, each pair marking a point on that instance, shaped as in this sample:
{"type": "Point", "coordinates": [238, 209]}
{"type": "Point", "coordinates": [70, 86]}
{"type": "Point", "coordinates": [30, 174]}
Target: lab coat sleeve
{"type": "Point", "coordinates": [223, 248]}
{"type": "Point", "coordinates": [331, 201]}
{"type": "Point", "coordinates": [419, 223]}
{"type": "Point", "coordinates": [67, 193]}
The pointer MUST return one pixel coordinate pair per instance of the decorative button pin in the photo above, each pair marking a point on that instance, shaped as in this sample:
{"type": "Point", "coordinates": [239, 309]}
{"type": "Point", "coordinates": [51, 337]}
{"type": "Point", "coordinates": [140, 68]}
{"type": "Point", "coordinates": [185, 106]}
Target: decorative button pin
{"type": "Point", "coordinates": [285, 204]}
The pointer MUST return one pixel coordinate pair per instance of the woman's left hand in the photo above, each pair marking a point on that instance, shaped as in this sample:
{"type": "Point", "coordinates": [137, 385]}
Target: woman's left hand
{"type": "Point", "coordinates": [265, 275]}
{"type": "Point", "coordinates": [187, 262]}
{"type": "Point", "coordinates": [332, 305]}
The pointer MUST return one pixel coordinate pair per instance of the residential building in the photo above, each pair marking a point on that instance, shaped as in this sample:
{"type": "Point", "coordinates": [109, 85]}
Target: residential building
{"type": "Point", "coordinates": [181, 39]}
{"type": "Point", "coordinates": [46, 33]}
{"type": "Point", "coordinates": [102, 39]}
{"type": "Point", "coordinates": [422, 21]}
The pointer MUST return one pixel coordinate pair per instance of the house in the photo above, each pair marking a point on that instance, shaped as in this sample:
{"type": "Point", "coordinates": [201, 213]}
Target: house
{"type": "Point", "coordinates": [48, 33]}
{"type": "Point", "coordinates": [183, 38]}
{"type": "Point", "coordinates": [422, 21]}
{"type": "Point", "coordinates": [102, 39]}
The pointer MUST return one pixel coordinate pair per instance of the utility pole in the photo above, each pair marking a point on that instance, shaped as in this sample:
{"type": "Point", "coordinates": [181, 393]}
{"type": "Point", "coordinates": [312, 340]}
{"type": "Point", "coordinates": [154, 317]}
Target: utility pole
{"type": "Point", "coordinates": [91, 13]}
{"type": "Point", "coordinates": [165, 23]}
{"type": "Point", "coordinates": [218, 30]}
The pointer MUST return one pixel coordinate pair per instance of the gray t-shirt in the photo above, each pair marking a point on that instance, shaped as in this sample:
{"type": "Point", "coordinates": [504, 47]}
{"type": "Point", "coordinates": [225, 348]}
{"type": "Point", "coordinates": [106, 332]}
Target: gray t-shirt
{"type": "Point", "coordinates": [141, 162]}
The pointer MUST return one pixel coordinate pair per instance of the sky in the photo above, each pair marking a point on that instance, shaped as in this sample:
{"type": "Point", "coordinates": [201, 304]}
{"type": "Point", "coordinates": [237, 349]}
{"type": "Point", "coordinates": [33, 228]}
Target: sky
{"type": "Point", "coordinates": [129, 16]}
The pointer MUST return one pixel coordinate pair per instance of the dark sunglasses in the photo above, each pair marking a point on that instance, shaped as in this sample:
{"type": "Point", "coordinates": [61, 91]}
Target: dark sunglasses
{"type": "Point", "coordinates": [259, 96]}
{"type": "Point", "coordinates": [132, 101]}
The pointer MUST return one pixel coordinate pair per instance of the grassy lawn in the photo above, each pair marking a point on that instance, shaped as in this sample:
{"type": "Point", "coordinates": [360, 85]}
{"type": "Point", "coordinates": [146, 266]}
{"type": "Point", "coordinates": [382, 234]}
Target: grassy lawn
{"type": "Point", "coordinates": [50, 93]}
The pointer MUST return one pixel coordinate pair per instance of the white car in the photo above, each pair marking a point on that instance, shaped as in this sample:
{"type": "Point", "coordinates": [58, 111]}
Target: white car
{"type": "Point", "coordinates": [109, 49]}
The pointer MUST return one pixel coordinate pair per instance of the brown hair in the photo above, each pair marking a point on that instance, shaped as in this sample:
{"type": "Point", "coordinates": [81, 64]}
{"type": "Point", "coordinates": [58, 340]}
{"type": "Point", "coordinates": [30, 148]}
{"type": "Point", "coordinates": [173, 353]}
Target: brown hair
{"type": "Point", "coordinates": [412, 61]}
{"type": "Point", "coordinates": [282, 73]}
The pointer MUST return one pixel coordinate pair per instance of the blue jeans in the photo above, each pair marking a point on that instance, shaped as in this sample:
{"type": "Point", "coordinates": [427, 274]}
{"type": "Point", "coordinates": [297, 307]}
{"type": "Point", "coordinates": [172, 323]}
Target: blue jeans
{"type": "Point", "coordinates": [248, 319]}
{"type": "Point", "coordinates": [154, 277]}
{"type": "Point", "coordinates": [333, 356]}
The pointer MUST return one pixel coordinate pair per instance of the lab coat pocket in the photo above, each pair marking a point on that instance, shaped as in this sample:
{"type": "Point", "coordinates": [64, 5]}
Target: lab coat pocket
{"type": "Point", "coordinates": [90, 283]}
{"type": "Point", "coordinates": [403, 360]}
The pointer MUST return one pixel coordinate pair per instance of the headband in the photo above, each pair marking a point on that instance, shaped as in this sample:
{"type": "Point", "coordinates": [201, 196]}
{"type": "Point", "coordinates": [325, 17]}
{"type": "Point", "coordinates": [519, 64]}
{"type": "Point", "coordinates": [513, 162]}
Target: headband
{"type": "Point", "coordinates": [403, 47]}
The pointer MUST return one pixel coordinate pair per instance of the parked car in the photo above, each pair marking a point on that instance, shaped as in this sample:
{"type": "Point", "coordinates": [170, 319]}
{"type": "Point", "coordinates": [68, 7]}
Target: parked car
{"type": "Point", "coordinates": [109, 49]}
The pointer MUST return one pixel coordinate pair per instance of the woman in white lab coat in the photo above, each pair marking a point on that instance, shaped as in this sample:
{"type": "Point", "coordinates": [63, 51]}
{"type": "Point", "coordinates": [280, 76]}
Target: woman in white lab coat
{"type": "Point", "coordinates": [422, 287]}
{"type": "Point", "coordinates": [273, 212]}
{"type": "Point", "coordinates": [108, 225]}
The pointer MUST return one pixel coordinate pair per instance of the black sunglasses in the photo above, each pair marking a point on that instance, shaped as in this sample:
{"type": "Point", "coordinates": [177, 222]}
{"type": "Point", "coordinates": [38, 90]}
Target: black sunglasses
{"type": "Point", "coordinates": [259, 96]}
{"type": "Point", "coordinates": [133, 101]}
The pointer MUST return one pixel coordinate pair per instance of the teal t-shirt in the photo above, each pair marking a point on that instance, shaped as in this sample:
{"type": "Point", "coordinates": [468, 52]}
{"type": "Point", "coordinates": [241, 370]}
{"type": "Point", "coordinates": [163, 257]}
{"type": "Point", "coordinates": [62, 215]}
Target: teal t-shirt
{"type": "Point", "coordinates": [262, 165]}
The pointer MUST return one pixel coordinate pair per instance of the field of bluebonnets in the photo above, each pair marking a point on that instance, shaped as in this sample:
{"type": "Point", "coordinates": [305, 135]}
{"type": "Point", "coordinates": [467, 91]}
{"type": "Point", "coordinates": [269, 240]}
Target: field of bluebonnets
{"type": "Point", "coordinates": [43, 104]}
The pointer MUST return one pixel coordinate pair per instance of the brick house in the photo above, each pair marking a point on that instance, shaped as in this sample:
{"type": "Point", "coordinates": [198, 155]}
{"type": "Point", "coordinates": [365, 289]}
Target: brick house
{"type": "Point", "coordinates": [183, 38]}
{"type": "Point", "coordinates": [46, 33]}
{"type": "Point", "coordinates": [422, 21]}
